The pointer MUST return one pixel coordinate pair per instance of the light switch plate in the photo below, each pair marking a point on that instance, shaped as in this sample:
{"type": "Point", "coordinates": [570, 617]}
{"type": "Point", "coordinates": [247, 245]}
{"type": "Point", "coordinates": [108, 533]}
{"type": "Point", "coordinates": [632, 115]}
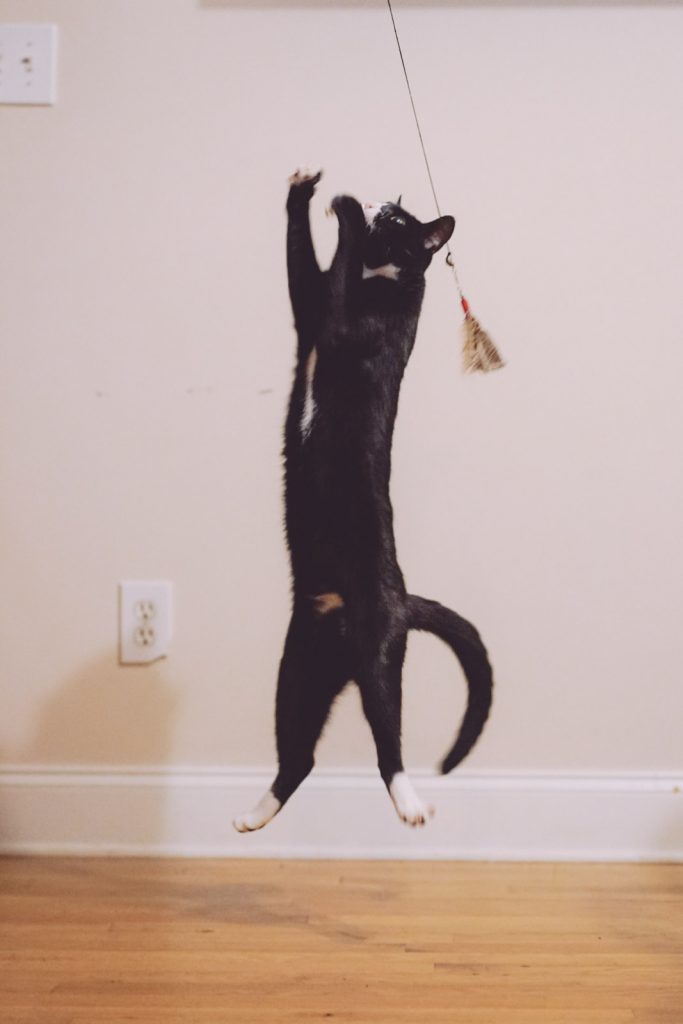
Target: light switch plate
{"type": "Point", "coordinates": [28, 64]}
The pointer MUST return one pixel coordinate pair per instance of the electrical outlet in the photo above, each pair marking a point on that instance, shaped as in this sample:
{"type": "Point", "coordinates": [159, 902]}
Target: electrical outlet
{"type": "Point", "coordinates": [144, 621]}
{"type": "Point", "coordinates": [28, 64]}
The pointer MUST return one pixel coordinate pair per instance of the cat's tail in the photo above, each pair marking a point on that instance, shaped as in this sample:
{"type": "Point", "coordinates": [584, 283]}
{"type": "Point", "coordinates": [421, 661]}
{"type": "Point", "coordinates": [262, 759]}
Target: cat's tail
{"type": "Point", "coordinates": [465, 642]}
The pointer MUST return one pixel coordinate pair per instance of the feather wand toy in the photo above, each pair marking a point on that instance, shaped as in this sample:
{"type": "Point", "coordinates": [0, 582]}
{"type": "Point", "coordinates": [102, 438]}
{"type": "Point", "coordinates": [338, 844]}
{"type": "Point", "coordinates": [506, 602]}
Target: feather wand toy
{"type": "Point", "coordinates": [479, 352]}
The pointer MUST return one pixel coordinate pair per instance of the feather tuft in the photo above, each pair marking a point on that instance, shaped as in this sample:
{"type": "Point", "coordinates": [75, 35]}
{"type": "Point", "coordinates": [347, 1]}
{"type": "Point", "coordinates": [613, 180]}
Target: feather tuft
{"type": "Point", "coordinates": [479, 353]}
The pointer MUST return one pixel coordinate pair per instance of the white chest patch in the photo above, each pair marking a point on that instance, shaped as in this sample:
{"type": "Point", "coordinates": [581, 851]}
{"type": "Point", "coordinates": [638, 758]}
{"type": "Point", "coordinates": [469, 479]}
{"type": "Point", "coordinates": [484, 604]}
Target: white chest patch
{"type": "Point", "coordinates": [389, 270]}
{"type": "Point", "coordinates": [308, 411]}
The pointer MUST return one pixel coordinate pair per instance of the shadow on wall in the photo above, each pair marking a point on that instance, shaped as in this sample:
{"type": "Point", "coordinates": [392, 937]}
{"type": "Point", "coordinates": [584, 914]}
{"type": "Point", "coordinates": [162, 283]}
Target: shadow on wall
{"type": "Point", "coordinates": [104, 717]}
{"type": "Point", "coordinates": [106, 714]}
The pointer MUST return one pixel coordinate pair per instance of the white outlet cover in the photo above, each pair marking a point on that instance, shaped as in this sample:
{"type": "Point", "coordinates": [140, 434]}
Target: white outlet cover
{"type": "Point", "coordinates": [145, 621]}
{"type": "Point", "coordinates": [28, 64]}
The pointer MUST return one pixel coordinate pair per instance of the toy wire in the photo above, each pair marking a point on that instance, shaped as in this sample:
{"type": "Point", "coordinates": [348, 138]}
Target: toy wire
{"type": "Point", "coordinates": [449, 254]}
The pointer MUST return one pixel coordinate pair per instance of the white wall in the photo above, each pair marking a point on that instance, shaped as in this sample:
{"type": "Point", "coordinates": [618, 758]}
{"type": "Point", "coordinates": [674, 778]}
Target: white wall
{"type": "Point", "coordinates": [146, 353]}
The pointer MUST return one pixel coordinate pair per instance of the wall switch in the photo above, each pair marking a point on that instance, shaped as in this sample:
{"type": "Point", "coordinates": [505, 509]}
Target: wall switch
{"type": "Point", "coordinates": [144, 621]}
{"type": "Point", "coordinates": [28, 64]}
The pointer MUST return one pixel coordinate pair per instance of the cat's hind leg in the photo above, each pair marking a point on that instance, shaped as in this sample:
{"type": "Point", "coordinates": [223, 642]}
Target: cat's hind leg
{"type": "Point", "coordinates": [381, 652]}
{"type": "Point", "coordinates": [381, 704]}
{"type": "Point", "coordinates": [313, 671]}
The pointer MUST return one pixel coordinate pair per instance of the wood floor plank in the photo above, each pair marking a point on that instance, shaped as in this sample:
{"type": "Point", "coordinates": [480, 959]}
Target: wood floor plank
{"type": "Point", "coordinates": [220, 942]}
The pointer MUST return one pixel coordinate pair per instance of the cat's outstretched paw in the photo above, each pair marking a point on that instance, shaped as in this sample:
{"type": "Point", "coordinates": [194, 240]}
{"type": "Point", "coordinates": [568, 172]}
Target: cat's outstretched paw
{"type": "Point", "coordinates": [409, 807]}
{"type": "Point", "coordinates": [303, 176]}
{"type": "Point", "coordinates": [350, 216]}
{"type": "Point", "coordinates": [301, 189]}
{"type": "Point", "coordinates": [347, 208]}
{"type": "Point", "coordinates": [252, 820]}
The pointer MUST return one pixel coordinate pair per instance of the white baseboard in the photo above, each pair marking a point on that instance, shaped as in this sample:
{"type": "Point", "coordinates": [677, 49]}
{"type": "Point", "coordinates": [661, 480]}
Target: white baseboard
{"type": "Point", "coordinates": [479, 815]}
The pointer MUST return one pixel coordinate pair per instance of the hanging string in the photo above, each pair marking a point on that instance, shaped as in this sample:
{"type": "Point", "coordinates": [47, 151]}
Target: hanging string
{"type": "Point", "coordinates": [479, 352]}
{"type": "Point", "coordinates": [449, 254]}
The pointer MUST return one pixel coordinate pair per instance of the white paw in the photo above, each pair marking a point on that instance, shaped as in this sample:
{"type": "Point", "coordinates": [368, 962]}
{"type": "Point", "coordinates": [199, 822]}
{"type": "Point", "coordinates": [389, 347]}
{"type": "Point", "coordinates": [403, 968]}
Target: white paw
{"type": "Point", "coordinates": [265, 810]}
{"type": "Point", "coordinates": [248, 822]}
{"type": "Point", "coordinates": [303, 175]}
{"type": "Point", "coordinates": [408, 805]}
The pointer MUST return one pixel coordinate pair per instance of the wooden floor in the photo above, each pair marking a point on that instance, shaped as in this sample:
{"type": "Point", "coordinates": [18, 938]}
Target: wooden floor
{"type": "Point", "coordinates": [206, 942]}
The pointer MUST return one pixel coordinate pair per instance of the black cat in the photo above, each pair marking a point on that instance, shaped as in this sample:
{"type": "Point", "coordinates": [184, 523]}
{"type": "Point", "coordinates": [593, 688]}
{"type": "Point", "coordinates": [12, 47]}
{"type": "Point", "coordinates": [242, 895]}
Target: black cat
{"type": "Point", "coordinates": [356, 327]}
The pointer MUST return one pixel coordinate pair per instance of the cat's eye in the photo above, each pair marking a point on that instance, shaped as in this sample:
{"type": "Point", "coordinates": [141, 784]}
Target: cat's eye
{"type": "Point", "coordinates": [398, 220]}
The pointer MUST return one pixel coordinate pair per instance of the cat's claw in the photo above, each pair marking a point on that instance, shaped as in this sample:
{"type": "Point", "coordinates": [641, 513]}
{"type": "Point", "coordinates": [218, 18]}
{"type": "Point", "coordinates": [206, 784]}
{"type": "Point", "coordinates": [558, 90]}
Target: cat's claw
{"type": "Point", "coordinates": [421, 817]}
{"type": "Point", "coordinates": [303, 176]}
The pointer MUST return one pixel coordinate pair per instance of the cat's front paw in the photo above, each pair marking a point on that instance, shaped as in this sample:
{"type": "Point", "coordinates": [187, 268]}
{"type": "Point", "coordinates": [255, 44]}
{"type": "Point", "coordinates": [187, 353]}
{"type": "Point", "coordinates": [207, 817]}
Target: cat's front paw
{"type": "Point", "coordinates": [301, 188]}
{"type": "Point", "coordinates": [349, 212]}
{"type": "Point", "coordinates": [346, 206]}
{"type": "Point", "coordinates": [303, 176]}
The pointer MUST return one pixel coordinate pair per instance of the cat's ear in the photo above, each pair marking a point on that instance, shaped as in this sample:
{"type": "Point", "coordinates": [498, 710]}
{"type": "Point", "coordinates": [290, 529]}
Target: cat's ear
{"type": "Point", "coordinates": [398, 201]}
{"type": "Point", "coordinates": [437, 233]}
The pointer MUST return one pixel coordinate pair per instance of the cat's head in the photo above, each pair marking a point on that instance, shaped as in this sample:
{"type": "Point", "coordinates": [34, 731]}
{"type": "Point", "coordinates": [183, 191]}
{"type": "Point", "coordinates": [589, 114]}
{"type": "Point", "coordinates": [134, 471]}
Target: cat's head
{"type": "Point", "coordinates": [399, 245]}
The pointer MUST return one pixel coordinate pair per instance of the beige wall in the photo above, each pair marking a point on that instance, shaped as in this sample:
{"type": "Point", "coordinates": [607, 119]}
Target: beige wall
{"type": "Point", "coordinates": [146, 353]}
